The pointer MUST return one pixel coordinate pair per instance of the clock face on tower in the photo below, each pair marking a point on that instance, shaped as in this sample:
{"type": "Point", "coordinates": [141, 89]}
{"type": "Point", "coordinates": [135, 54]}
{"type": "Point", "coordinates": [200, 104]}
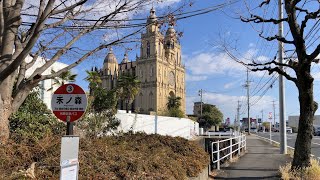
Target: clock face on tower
{"type": "Point", "coordinates": [171, 78]}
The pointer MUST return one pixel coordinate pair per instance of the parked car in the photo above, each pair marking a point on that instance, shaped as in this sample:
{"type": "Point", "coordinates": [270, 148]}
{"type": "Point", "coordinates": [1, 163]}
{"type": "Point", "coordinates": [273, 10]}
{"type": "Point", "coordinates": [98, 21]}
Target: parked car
{"type": "Point", "coordinates": [274, 129]}
{"type": "Point", "coordinates": [289, 130]}
{"type": "Point", "coordinates": [316, 130]}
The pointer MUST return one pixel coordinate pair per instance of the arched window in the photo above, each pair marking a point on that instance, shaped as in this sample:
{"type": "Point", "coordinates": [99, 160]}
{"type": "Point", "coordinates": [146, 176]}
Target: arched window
{"type": "Point", "coordinates": [159, 47]}
{"type": "Point", "coordinates": [177, 58]}
{"type": "Point", "coordinates": [150, 99]}
{"type": "Point", "coordinates": [151, 71]}
{"type": "Point", "coordinates": [148, 49]}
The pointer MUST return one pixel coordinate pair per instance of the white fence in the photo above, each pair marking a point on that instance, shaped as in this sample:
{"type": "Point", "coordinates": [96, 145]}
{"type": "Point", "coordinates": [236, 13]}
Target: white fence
{"type": "Point", "coordinates": [220, 134]}
{"type": "Point", "coordinates": [240, 143]}
{"type": "Point", "coordinates": [163, 125]}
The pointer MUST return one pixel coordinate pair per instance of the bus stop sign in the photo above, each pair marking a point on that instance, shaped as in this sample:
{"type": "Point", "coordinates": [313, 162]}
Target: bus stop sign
{"type": "Point", "coordinates": [69, 102]}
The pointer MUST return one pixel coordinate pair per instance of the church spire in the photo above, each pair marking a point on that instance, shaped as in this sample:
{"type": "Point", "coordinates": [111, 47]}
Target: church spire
{"type": "Point", "coordinates": [125, 58]}
{"type": "Point", "coordinates": [152, 25]}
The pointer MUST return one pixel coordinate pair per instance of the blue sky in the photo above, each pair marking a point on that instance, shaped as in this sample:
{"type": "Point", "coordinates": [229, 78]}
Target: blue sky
{"type": "Point", "coordinates": [211, 69]}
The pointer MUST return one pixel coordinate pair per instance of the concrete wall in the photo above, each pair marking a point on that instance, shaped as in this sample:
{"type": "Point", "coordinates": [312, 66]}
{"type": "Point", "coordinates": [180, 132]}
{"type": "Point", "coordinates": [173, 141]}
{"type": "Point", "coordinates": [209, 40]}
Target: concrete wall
{"type": "Point", "coordinates": [163, 125]}
{"type": "Point", "coordinates": [204, 175]}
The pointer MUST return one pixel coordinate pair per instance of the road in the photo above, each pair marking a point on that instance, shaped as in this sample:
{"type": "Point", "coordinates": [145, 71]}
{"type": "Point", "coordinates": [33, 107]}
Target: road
{"type": "Point", "coordinates": [291, 139]}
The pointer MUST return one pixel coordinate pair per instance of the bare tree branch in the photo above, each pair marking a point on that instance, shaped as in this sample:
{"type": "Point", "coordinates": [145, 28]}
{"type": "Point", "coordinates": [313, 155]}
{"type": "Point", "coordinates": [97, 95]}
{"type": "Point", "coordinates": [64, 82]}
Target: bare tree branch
{"type": "Point", "coordinates": [69, 7]}
{"type": "Point", "coordinates": [278, 70]}
{"type": "Point", "coordinates": [276, 37]}
{"type": "Point", "coordinates": [314, 54]}
{"type": "Point", "coordinates": [254, 64]}
{"type": "Point", "coordinates": [88, 54]}
{"type": "Point", "coordinates": [259, 19]}
{"type": "Point", "coordinates": [310, 15]}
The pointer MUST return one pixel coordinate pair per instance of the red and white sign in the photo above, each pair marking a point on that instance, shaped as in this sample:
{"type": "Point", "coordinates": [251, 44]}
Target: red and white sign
{"type": "Point", "coordinates": [69, 100]}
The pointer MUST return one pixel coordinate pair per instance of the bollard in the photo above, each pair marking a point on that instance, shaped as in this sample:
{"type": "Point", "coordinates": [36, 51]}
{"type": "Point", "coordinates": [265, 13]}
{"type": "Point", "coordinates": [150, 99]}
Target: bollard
{"type": "Point", "coordinates": [218, 155]}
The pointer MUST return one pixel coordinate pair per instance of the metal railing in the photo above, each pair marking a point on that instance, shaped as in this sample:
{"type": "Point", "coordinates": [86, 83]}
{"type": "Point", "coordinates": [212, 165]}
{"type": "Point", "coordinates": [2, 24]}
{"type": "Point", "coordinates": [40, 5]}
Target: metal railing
{"type": "Point", "coordinates": [219, 134]}
{"type": "Point", "coordinates": [289, 147]}
{"type": "Point", "coordinates": [240, 143]}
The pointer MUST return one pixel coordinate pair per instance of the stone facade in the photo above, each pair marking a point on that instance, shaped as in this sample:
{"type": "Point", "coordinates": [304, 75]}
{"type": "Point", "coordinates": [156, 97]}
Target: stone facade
{"type": "Point", "coordinates": [159, 68]}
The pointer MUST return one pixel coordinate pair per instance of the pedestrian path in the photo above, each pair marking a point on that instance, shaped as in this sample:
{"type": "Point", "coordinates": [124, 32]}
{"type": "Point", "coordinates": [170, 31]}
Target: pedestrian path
{"type": "Point", "coordinates": [261, 161]}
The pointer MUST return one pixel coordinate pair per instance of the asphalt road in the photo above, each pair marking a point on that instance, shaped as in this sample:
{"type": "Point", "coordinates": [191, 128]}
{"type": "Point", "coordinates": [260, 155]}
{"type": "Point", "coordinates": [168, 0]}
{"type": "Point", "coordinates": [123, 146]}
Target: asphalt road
{"type": "Point", "coordinates": [291, 139]}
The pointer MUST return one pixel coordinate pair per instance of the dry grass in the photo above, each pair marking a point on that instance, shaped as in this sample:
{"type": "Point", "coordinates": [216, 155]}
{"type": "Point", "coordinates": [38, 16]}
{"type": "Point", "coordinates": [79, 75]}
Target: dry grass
{"type": "Point", "coordinates": [130, 156]}
{"type": "Point", "coordinates": [310, 173]}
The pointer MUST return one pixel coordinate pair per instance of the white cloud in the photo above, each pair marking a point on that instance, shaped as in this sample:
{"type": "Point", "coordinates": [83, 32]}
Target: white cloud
{"type": "Point", "coordinates": [232, 84]}
{"type": "Point", "coordinates": [195, 77]}
{"type": "Point", "coordinates": [211, 63]}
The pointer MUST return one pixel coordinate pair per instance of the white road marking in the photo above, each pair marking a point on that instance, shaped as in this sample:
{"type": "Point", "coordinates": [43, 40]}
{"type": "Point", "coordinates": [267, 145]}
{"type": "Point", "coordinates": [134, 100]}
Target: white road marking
{"type": "Point", "coordinates": [316, 143]}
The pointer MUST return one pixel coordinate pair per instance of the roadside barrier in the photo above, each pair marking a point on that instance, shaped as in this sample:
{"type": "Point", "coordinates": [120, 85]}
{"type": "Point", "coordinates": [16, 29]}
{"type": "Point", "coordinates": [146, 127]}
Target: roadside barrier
{"type": "Point", "coordinates": [240, 144]}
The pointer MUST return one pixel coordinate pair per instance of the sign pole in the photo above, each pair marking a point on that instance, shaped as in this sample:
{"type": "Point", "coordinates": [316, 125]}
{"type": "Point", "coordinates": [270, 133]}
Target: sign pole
{"type": "Point", "coordinates": [69, 126]}
{"type": "Point", "coordinates": [68, 104]}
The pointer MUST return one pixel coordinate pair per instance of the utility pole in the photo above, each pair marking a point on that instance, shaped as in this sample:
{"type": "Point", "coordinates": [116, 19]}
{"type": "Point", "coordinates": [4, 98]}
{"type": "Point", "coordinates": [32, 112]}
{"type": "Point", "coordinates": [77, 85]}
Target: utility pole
{"type": "Point", "coordinates": [261, 119]}
{"type": "Point", "coordinates": [200, 94]}
{"type": "Point", "coordinates": [238, 116]}
{"type": "Point", "coordinates": [247, 85]}
{"type": "Point", "coordinates": [282, 110]}
{"type": "Point", "coordinates": [274, 113]}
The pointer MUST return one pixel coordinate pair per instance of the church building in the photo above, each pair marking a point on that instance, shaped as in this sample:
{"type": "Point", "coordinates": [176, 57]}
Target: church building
{"type": "Point", "coordinates": [159, 69]}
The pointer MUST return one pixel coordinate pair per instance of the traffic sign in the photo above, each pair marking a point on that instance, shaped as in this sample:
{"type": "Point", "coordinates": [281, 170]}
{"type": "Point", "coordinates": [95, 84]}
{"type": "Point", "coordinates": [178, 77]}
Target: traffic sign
{"type": "Point", "coordinates": [69, 102]}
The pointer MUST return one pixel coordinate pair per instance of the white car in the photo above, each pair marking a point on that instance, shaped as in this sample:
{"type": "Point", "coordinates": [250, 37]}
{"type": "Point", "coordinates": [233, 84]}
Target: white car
{"type": "Point", "coordinates": [289, 130]}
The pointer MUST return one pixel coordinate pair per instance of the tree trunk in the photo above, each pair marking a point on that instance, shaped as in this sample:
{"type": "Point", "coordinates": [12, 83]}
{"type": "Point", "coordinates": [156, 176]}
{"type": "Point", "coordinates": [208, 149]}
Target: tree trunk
{"type": "Point", "coordinates": [302, 153]}
{"type": "Point", "coordinates": [127, 107]}
{"type": "Point", "coordinates": [5, 110]}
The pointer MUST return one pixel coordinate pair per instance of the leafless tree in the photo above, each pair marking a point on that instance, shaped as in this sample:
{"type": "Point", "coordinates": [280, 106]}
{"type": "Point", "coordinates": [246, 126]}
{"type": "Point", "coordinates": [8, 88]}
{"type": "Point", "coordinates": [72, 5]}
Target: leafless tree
{"type": "Point", "coordinates": [300, 64]}
{"type": "Point", "coordinates": [52, 29]}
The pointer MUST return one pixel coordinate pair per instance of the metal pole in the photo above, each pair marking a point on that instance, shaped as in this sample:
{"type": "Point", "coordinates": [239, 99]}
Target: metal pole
{"type": "Point", "coordinates": [156, 123]}
{"type": "Point", "coordinates": [282, 110]}
{"type": "Point", "coordinates": [274, 113]}
{"type": "Point", "coordinates": [270, 132]}
{"type": "Point", "coordinates": [238, 117]}
{"type": "Point", "coordinates": [200, 94]}
{"type": "Point", "coordinates": [69, 126]}
{"type": "Point", "coordinates": [248, 101]}
{"type": "Point", "coordinates": [218, 155]}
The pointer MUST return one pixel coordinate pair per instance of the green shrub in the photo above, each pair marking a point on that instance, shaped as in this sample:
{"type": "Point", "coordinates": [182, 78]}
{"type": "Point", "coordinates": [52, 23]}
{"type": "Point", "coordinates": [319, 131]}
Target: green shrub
{"type": "Point", "coordinates": [34, 120]}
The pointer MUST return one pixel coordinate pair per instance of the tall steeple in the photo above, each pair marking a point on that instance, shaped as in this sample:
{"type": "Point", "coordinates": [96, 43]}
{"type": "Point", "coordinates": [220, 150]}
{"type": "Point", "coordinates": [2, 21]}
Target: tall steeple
{"type": "Point", "coordinates": [125, 58]}
{"type": "Point", "coordinates": [152, 20]}
{"type": "Point", "coordinates": [110, 62]}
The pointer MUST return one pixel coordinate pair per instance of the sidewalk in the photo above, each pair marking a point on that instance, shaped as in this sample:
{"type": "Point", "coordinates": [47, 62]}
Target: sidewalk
{"type": "Point", "coordinates": [261, 161]}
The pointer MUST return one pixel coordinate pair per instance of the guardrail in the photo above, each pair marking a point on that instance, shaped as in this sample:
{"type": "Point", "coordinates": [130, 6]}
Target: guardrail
{"type": "Point", "coordinates": [275, 142]}
{"type": "Point", "coordinates": [240, 144]}
{"type": "Point", "coordinates": [219, 134]}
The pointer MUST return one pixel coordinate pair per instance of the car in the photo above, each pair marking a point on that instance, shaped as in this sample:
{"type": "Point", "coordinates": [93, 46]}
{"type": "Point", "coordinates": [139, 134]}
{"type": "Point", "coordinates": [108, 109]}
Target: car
{"type": "Point", "coordinates": [316, 130]}
{"type": "Point", "coordinates": [289, 130]}
{"type": "Point", "coordinates": [274, 129]}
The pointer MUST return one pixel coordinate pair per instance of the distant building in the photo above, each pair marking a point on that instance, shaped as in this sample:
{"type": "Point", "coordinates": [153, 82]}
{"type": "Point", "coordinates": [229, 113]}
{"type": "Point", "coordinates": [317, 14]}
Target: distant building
{"type": "Point", "coordinates": [293, 121]}
{"type": "Point", "coordinates": [244, 123]}
{"type": "Point", "coordinates": [159, 69]}
{"type": "Point", "coordinates": [45, 93]}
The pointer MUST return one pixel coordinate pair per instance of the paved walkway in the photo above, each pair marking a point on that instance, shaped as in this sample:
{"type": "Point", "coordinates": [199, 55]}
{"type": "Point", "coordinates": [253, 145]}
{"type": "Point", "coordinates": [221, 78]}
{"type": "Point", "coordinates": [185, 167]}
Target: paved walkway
{"type": "Point", "coordinates": [261, 161]}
